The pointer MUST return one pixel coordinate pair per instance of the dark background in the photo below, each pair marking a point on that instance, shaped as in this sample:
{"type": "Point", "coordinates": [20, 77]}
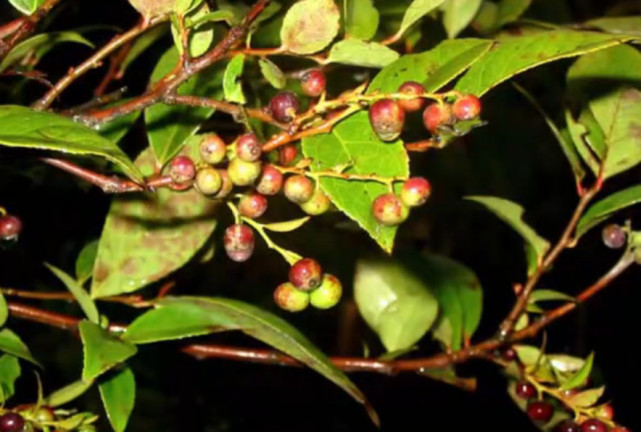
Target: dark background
{"type": "Point", "coordinates": [514, 156]}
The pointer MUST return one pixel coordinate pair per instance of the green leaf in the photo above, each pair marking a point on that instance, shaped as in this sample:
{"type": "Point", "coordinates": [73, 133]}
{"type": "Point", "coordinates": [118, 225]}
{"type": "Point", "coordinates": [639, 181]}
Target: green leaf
{"type": "Point", "coordinates": [458, 14]}
{"type": "Point", "coordinates": [9, 373]}
{"type": "Point", "coordinates": [148, 236]}
{"type": "Point", "coordinates": [27, 7]}
{"type": "Point", "coordinates": [219, 15]}
{"type": "Point", "coordinates": [102, 350]}
{"type": "Point", "coordinates": [68, 393]}
{"type": "Point", "coordinates": [605, 208]}
{"type": "Point", "coordinates": [536, 362]}
{"type": "Point", "coordinates": [287, 226]}
{"type": "Point", "coordinates": [624, 25]}
{"type": "Point", "coordinates": [511, 10]}
{"type": "Point", "coordinates": [434, 68]}
{"type": "Point", "coordinates": [513, 56]}
{"type": "Point", "coordinates": [309, 26]}
{"type": "Point", "coordinates": [361, 19]}
{"type": "Point", "coordinates": [394, 302]}
{"type": "Point", "coordinates": [142, 43]}
{"type": "Point", "coordinates": [201, 35]}
{"type": "Point", "coordinates": [86, 261]}
{"type": "Point", "coordinates": [82, 297]}
{"type": "Point", "coordinates": [231, 81]}
{"type": "Point", "coordinates": [26, 128]}
{"type": "Point", "coordinates": [581, 376]}
{"type": "Point", "coordinates": [4, 310]}
{"type": "Point", "coordinates": [587, 398]}
{"type": "Point", "coordinates": [272, 73]}
{"type": "Point", "coordinates": [118, 394]}
{"type": "Point", "coordinates": [277, 333]}
{"type": "Point", "coordinates": [353, 142]}
{"type": "Point", "coordinates": [540, 295]}
{"type": "Point", "coordinates": [117, 128]}
{"type": "Point", "coordinates": [565, 363]}
{"type": "Point", "coordinates": [169, 126]}
{"type": "Point", "coordinates": [585, 140]}
{"type": "Point", "coordinates": [512, 214]}
{"type": "Point", "coordinates": [10, 343]}
{"type": "Point", "coordinates": [359, 53]}
{"type": "Point", "coordinates": [417, 10]}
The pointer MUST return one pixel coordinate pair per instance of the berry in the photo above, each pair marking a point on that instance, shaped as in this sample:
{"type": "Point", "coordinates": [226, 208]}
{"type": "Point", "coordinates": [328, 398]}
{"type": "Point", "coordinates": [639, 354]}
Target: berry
{"type": "Point", "coordinates": [284, 106]}
{"type": "Point", "coordinates": [467, 107]}
{"type": "Point", "coordinates": [243, 173]}
{"type": "Point", "coordinates": [306, 274]}
{"type": "Point", "coordinates": [619, 429]}
{"type": "Point", "coordinates": [252, 205]}
{"type": "Point", "coordinates": [328, 294]}
{"type": "Point", "coordinates": [182, 170]}
{"type": "Point", "coordinates": [318, 204]}
{"type": "Point", "coordinates": [270, 182]}
{"type": "Point", "coordinates": [239, 242]}
{"type": "Point", "coordinates": [387, 119]}
{"type": "Point", "coordinates": [10, 227]}
{"type": "Point", "coordinates": [567, 426]}
{"type": "Point", "coordinates": [11, 422]}
{"type": "Point", "coordinates": [415, 191]}
{"type": "Point", "coordinates": [593, 425]}
{"type": "Point", "coordinates": [299, 189]}
{"type": "Point", "coordinates": [209, 181]}
{"type": "Point", "coordinates": [226, 187]}
{"type": "Point", "coordinates": [540, 411]}
{"type": "Point", "coordinates": [508, 354]}
{"type": "Point", "coordinates": [411, 88]}
{"type": "Point", "coordinates": [605, 412]}
{"type": "Point", "coordinates": [437, 115]}
{"type": "Point", "coordinates": [212, 149]}
{"type": "Point", "coordinates": [613, 236]}
{"type": "Point", "coordinates": [248, 148]}
{"type": "Point", "coordinates": [313, 83]}
{"type": "Point", "coordinates": [44, 414]}
{"type": "Point", "coordinates": [289, 298]}
{"type": "Point", "coordinates": [525, 390]}
{"type": "Point", "coordinates": [389, 210]}
{"type": "Point", "coordinates": [287, 155]}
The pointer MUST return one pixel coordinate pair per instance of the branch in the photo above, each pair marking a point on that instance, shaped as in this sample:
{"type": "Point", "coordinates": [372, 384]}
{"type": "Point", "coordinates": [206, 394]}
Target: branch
{"type": "Point", "coordinates": [18, 29]}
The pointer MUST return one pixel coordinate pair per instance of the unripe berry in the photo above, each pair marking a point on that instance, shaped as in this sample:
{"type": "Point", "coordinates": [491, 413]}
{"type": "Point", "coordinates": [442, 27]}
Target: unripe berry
{"type": "Point", "coordinates": [287, 155]}
{"type": "Point", "coordinates": [525, 390]}
{"type": "Point", "coordinates": [252, 205]}
{"type": "Point", "coordinates": [44, 414]}
{"type": "Point", "coordinates": [239, 242]}
{"type": "Point", "coordinates": [437, 115]}
{"type": "Point", "coordinates": [415, 191]}
{"type": "Point", "coordinates": [11, 422]}
{"type": "Point", "coordinates": [613, 236]}
{"type": "Point", "coordinates": [313, 83]}
{"type": "Point", "coordinates": [270, 182]}
{"type": "Point", "coordinates": [208, 181]}
{"type": "Point", "coordinates": [389, 210]}
{"type": "Point", "coordinates": [182, 170]}
{"type": "Point", "coordinates": [318, 204]}
{"type": "Point", "coordinates": [284, 106]}
{"type": "Point", "coordinates": [567, 426]}
{"type": "Point", "coordinates": [540, 411]}
{"type": "Point", "coordinates": [328, 294]}
{"type": "Point", "coordinates": [10, 227]}
{"type": "Point", "coordinates": [248, 148]}
{"type": "Point", "coordinates": [306, 274]}
{"type": "Point", "coordinates": [387, 119]}
{"type": "Point", "coordinates": [289, 298]}
{"type": "Point", "coordinates": [605, 412]}
{"type": "Point", "coordinates": [467, 107]}
{"type": "Point", "coordinates": [411, 88]}
{"type": "Point", "coordinates": [593, 425]}
{"type": "Point", "coordinates": [212, 149]}
{"type": "Point", "coordinates": [227, 185]}
{"type": "Point", "coordinates": [243, 173]}
{"type": "Point", "coordinates": [298, 189]}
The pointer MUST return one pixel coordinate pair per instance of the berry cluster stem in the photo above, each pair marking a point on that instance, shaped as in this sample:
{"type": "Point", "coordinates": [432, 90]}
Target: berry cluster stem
{"type": "Point", "coordinates": [316, 175]}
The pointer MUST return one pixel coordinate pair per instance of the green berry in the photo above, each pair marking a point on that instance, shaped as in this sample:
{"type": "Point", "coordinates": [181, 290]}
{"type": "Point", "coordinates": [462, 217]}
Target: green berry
{"type": "Point", "coordinates": [318, 204]}
{"type": "Point", "coordinates": [243, 173]}
{"type": "Point", "coordinates": [226, 187]}
{"type": "Point", "coordinates": [212, 149]}
{"type": "Point", "coordinates": [328, 294]}
{"type": "Point", "coordinates": [208, 181]}
{"type": "Point", "coordinates": [289, 298]}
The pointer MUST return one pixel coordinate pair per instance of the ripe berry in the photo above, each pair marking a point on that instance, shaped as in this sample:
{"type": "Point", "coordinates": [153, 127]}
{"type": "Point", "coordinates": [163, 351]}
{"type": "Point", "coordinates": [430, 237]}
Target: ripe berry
{"type": "Point", "coordinates": [613, 236]}
{"type": "Point", "coordinates": [467, 107]}
{"type": "Point", "coordinates": [389, 210]}
{"type": "Point", "coordinates": [525, 390]}
{"type": "Point", "coordinates": [540, 411]}
{"type": "Point", "coordinates": [11, 422]}
{"type": "Point", "coordinates": [270, 182]}
{"type": "Point", "coordinates": [289, 298]}
{"type": "Point", "coordinates": [313, 83]}
{"type": "Point", "coordinates": [318, 204]}
{"type": "Point", "coordinates": [212, 149]}
{"type": "Point", "coordinates": [567, 426]}
{"type": "Point", "coordinates": [239, 242]}
{"type": "Point", "coordinates": [593, 425]}
{"type": "Point", "coordinates": [387, 119]}
{"type": "Point", "coordinates": [287, 155]}
{"type": "Point", "coordinates": [508, 354]}
{"type": "Point", "coordinates": [437, 115]}
{"type": "Point", "coordinates": [415, 191]}
{"type": "Point", "coordinates": [182, 170]}
{"type": "Point", "coordinates": [243, 173]}
{"type": "Point", "coordinates": [248, 148]}
{"type": "Point", "coordinates": [208, 181]}
{"type": "Point", "coordinates": [252, 205]}
{"type": "Point", "coordinates": [328, 294]}
{"type": "Point", "coordinates": [10, 227]}
{"type": "Point", "coordinates": [226, 187]}
{"type": "Point", "coordinates": [298, 189]}
{"type": "Point", "coordinates": [619, 429]}
{"type": "Point", "coordinates": [306, 274]}
{"type": "Point", "coordinates": [411, 88]}
{"type": "Point", "coordinates": [284, 106]}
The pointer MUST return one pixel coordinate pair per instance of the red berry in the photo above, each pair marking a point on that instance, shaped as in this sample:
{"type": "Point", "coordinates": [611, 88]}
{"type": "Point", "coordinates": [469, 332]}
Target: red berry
{"type": "Point", "coordinates": [239, 242]}
{"type": "Point", "coordinates": [387, 119]}
{"type": "Point", "coordinates": [605, 412]}
{"type": "Point", "coordinates": [306, 274]}
{"type": "Point", "coordinates": [614, 237]}
{"type": "Point", "coordinates": [252, 205]}
{"type": "Point", "coordinates": [508, 354]}
{"type": "Point", "coordinates": [313, 82]}
{"type": "Point", "coordinates": [415, 191]}
{"type": "Point", "coordinates": [467, 107]}
{"type": "Point", "coordinates": [525, 390]}
{"type": "Point", "coordinates": [299, 189]}
{"type": "Point", "coordinates": [182, 170]}
{"type": "Point", "coordinates": [287, 155]}
{"type": "Point", "coordinates": [226, 187]}
{"type": "Point", "coordinates": [437, 115]}
{"type": "Point", "coordinates": [284, 106]}
{"type": "Point", "coordinates": [619, 429]}
{"type": "Point", "coordinates": [248, 148]}
{"type": "Point", "coordinates": [540, 411]}
{"type": "Point", "coordinates": [593, 425]}
{"type": "Point", "coordinates": [11, 422]}
{"type": "Point", "coordinates": [209, 181]}
{"type": "Point", "coordinates": [328, 294]}
{"type": "Point", "coordinates": [243, 173]}
{"type": "Point", "coordinates": [389, 210]}
{"type": "Point", "coordinates": [567, 426]}
{"type": "Point", "coordinates": [411, 88]}
{"type": "Point", "coordinates": [10, 227]}
{"type": "Point", "coordinates": [270, 182]}
{"type": "Point", "coordinates": [289, 298]}
{"type": "Point", "coordinates": [318, 204]}
{"type": "Point", "coordinates": [212, 149]}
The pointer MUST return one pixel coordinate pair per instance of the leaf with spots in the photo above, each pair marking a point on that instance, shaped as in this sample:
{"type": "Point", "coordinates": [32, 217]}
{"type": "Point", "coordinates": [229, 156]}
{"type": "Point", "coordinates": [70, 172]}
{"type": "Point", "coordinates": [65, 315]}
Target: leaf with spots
{"type": "Point", "coordinates": [457, 14]}
{"type": "Point", "coordinates": [359, 53]}
{"type": "Point", "coordinates": [355, 144]}
{"type": "Point", "coordinates": [309, 26]}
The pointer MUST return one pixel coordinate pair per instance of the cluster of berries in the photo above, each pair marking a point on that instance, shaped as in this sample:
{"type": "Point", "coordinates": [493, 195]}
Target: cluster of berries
{"type": "Point", "coordinates": [39, 418]}
{"type": "Point", "coordinates": [308, 285]}
{"type": "Point", "coordinates": [10, 227]}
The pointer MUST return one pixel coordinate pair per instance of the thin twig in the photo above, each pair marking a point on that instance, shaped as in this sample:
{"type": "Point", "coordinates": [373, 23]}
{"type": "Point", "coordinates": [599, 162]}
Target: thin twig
{"type": "Point", "coordinates": [17, 30]}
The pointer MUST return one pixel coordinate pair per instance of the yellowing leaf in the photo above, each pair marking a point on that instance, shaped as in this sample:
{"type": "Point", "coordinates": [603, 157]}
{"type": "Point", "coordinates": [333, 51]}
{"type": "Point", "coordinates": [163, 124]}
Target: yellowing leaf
{"type": "Point", "coordinates": [309, 26]}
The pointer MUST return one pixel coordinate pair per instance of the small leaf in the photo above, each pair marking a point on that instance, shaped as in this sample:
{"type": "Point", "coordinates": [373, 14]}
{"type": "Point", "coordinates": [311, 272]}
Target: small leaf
{"type": "Point", "coordinates": [361, 19]}
{"type": "Point", "coordinates": [272, 73]}
{"type": "Point", "coordinates": [623, 25]}
{"type": "Point", "coordinates": [82, 297]}
{"type": "Point", "coordinates": [287, 226]}
{"type": "Point", "coordinates": [102, 350]}
{"type": "Point", "coordinates": [27, 7]}
{"type": "Point", "coordinates": [602, 210]}
{"type": "Point", "coordinates": [219, 15]}
{"type": "Point", "coordinates": [549, 295]}
{"type": "Point", "coordinates": [9, 373]}
{"type": "Point", "coordinates": [536, 362]}
{"type": "Point", "coordinates": [86, 261]}
{"type": "Point", "coordinates": [565, 363]}
{"type": "Point", "coordinates": [10, 343]}
{"type": "Point", "coordinates": [417, 10]}
{"type": "Point", "coordinates": [587, 398]}
{"type": "Point", "coordinates": [581, 376]}
{"type": "Point", "coordinates": [359, 53]}
{"type": "Point", "coordinates": [458, 14]}
{"type": "Point", "coordinates": [309, 26]}
{"type": "Point", "coordinates": [68, 393]}
{"type": "Point", "coordinates": [201, 35]}
{"type": "Point", "coordinates": [511, 10]}
{"type": "Point", "coordinates": [4, 310]}
{"type": "Point", "coordinates": [231, 84]}
{"type": "Point", "coordinates": [118, 394]}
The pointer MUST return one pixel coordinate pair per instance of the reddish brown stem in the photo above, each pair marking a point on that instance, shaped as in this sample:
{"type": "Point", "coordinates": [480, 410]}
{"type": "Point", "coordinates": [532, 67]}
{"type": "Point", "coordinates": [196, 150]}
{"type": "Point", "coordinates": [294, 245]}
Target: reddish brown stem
{"type": "Point", "coordinates": [17, 30]}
